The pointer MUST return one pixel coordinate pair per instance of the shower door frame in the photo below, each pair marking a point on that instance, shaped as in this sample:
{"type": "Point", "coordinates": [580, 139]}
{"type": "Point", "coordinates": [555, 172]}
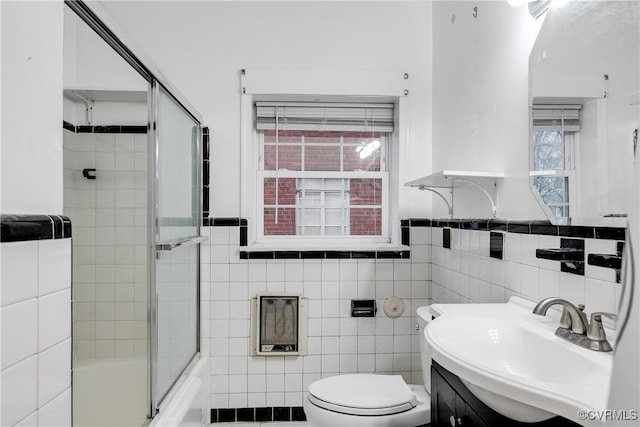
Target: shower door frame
{"type": "Point", "coordinates": [98, 18]}
{"type": "Point", "coordinates": [154, 240]}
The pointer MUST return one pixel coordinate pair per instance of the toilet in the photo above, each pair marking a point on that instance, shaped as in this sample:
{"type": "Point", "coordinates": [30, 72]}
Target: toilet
{"type": "Point", "coordinates": [373, 400]}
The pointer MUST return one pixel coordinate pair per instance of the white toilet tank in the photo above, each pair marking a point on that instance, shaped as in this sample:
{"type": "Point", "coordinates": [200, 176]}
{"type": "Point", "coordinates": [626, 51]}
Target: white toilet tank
{"type": "Point", "coordinates": [423, 318]}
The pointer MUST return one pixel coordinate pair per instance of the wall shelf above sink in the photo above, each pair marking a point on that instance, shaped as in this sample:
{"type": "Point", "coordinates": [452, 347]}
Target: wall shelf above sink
{"type": "Point", "coordinates": [452, 179]}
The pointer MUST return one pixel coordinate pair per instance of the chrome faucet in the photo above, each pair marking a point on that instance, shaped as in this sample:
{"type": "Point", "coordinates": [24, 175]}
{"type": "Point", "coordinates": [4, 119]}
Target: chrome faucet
{"type": "Point", "coordinates": [575, 327]}
{"type": "Point", "coordinates": [572, 317]}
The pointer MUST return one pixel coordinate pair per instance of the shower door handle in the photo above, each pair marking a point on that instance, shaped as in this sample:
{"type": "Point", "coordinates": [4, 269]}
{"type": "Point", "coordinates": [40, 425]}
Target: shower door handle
{"type": "Point", "coordinates": [168, 246]}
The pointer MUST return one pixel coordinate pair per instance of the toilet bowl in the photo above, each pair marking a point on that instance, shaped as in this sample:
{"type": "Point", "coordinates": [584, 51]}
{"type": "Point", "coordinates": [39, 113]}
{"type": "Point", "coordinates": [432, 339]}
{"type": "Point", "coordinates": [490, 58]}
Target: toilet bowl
{"type": "Point", "coordinates": [371, 399]}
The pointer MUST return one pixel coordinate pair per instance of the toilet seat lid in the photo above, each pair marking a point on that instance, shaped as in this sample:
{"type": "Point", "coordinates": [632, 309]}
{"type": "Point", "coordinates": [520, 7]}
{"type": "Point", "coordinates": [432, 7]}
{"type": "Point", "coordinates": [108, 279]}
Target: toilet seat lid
{"type": "Point", "coordinates": [363, 394]}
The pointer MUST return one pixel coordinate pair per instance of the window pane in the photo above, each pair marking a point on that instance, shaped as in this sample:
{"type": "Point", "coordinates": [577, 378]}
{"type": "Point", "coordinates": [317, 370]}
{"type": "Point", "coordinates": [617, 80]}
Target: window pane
{"type": "Point", "coordinates": [335, 199]}
{"type": "Point", "coordinates": [548, 150]}
{"type": "Point", "coordinates": [555, 193]}
{"type": "Point", "coordinates": [366, 192]}
{"type": "Point", "coordinates": [366, 222]}
{"type": "Point", "coordinates": [333, 217]}
{"type": "Point", "coordinates": [334, 231]}
{"type": "Point", "coordinates": [310, 217]}
{"type": "Point", "coordinates": [286, 225]}
{"type": "Point", "coordinates": [362, 151]}
{"type": "Point", "coordinates": [310, 231]}
{"type": "Point", "coordinates": [289, 157]}
{"type": "Point", "coordinates": [310, 198]}
{"type": "Point", "coordinates": [286, 191]}
{"type": "Point", "coordinates": [332, 184]}
{"type": "Point", "coordinates": [288, 136]}
{"type": "Point", "coordinates": [322, 158]}
{"type": "Point", "coordinates": [324, 137]}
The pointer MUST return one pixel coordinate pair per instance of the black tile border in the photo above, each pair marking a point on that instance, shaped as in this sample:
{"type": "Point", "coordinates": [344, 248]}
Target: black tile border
{"type": "Point", "coordinates": [419, 222]}
{"type": "Point", "coordinates": [68, 126]}
{"type": "Point", "coordinates": [539, 227]}
{"type": "Point", "coordinates": [384, 254]}
{"type": "Point", "coordinates": [206, 177]}
{"type": "Point", "coordinates": [536, 227]}
{"type": "Point", "coordinates": [263, 414]}
{"type": "Point", "coordinates": [611, 233]}
{"type": "Point", "coordinates": [140, 129]}
{"type": "Point", "coordinates": [224, 222]}
{"type": "Point", "coordinates": [577, 231]}
{"type": "Point", "coordinates": [23, 227]}
{"type": "Point", "coordinates": [574, 267]}
{"type": "Point", "coordinates": [446, 238]}
{"type": "Point", "coordinates": [496, 245]}
{"type": "Point", "coordinates": [405, 234]}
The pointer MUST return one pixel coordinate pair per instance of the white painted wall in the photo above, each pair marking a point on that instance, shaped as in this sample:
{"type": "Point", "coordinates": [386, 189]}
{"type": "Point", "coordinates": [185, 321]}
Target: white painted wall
{"type": "Point", "coordinates": [480, 93]}
{"type": "Point", "coordinates": [90, 63]}
{"type": "Point", "coordinates": [31, 107]}
{"type": "Point", "coordinates": [215, 40]}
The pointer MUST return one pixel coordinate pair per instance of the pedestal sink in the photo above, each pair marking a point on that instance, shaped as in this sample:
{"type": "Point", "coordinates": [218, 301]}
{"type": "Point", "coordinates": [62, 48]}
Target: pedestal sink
{"type": "Point", "coordinates": [512, 361]}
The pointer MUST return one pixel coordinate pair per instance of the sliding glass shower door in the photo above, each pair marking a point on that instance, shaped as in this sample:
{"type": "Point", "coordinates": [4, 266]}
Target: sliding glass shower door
{"type": "Point", "coordinates": [174, 291]}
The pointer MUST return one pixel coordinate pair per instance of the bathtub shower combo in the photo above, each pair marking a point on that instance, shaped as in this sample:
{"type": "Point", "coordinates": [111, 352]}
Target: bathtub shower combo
{"type": "Point", "coordinates": [133, 191]}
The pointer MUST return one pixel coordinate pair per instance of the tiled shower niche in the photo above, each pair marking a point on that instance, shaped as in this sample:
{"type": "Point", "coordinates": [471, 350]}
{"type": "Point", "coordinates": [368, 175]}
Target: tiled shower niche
{"type": "Point", "coordinates": [109, 214]}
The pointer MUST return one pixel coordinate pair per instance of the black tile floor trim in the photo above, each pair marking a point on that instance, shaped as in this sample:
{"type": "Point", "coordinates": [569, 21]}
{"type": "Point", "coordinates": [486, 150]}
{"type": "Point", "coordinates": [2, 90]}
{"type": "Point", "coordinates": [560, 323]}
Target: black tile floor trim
{"type": "Point", "coordinates": [264, 414]}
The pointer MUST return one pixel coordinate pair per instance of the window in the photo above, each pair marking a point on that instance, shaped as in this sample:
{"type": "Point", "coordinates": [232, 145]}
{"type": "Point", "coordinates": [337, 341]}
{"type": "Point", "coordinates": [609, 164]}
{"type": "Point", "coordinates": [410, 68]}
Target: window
{"type": "Point", "coordinates": [549, 162]}
{"type": "Point", "coordinates": [323, 171]}
{"type": "Point", "coordinates": [554, 136]}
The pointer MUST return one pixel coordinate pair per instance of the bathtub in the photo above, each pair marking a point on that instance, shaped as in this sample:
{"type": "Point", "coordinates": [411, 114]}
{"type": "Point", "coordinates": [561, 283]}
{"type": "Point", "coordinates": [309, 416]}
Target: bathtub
{"type": "Point", "coordinates": [188, 403]}
{"type": "Point", "coordinates": [110, 392]}
{"type": "Point", "coordinates": [113, 392]}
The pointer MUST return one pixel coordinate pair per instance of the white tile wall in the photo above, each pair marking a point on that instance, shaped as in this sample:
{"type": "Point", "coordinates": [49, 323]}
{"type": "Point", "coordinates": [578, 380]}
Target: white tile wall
{"type": "Point", "coordinates": [337, 343]}
{"type": "Point", "coordinates": [109, 216]}
{"type": "Point", "coordinates": [479, 278]}
{"type": "Point", "coordinates": [35, 312]}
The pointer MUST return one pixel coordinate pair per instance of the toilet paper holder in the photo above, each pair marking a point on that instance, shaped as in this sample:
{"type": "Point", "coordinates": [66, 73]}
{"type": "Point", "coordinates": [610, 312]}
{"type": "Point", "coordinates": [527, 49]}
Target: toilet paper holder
{"type": "Point", "coordinates": [363, 308]}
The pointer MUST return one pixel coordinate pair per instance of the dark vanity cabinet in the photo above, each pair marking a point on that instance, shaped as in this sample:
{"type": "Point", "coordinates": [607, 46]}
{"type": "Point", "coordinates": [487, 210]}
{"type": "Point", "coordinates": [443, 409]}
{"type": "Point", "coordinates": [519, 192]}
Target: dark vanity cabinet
{"type": "Point", "coordinates": [453, 405]}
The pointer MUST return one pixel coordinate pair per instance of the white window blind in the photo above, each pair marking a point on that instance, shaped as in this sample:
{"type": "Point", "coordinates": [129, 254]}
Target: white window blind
{"type": "Point", "coordinates": [556, 117]}
{"type": "Point", "coordinates": [325, 116]}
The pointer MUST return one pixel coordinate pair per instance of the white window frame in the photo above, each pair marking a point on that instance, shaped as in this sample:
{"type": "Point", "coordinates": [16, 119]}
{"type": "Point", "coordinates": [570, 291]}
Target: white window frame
{"type": "Point", "coordinates": [306, 240]}
{"type": "Point", "coordinates": [323, 85]}
{"type": "Point", "coordinates": [569, 144]}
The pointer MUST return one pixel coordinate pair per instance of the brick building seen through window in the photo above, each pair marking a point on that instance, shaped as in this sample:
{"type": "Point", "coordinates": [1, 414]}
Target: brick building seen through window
{"type": "Point", "coordinates": [323, 183]}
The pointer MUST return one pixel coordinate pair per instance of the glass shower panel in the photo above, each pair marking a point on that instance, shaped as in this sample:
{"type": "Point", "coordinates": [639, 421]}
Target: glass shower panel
{"type": "Point", "coordinates": [177, 251]}
{"type": "Point", "coordinates": [176, 171]}
{"type": "Point", "coordinates": [177, 274]}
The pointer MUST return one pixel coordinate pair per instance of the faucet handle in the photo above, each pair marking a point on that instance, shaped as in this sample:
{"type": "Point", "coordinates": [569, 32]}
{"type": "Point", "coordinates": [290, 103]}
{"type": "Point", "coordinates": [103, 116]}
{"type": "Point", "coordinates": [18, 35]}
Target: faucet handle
{"type": "Point", "coordinates": [610, 316]}
{"type": "Point", "coordinates": [596, 330]}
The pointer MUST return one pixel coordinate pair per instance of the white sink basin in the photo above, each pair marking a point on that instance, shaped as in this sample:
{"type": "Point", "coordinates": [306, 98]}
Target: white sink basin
{"type": "Point", "coordinates": [512, 361]}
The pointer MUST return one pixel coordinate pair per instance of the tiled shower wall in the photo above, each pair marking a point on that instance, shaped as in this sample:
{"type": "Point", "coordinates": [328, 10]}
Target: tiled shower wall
{"type": "Point", "coordinates": [337, 342]}
{"type": "Point", "coordinates": [465, 273]}
{"type": "Point", "coordinates": [36, 333]}
{"type": "Point", "coordinates": [109, 216]}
